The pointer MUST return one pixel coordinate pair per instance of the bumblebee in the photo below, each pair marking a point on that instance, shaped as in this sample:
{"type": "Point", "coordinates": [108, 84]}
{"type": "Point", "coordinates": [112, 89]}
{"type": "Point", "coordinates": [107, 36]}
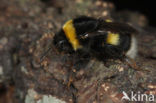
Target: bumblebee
{"type": "Point", "coordinates": [97, 37]}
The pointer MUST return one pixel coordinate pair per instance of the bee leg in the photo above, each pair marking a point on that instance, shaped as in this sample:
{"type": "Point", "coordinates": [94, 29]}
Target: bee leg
{"type": "Point", "coordinates": [70, 74]}
{"type": "Point", "coordinates": [70, 80]}
{"type": "Point", "coordinates": [132, 63]}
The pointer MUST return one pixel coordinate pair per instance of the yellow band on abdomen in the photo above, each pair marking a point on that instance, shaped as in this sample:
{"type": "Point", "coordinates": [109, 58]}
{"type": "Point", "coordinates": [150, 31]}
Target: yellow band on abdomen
{"type": "Point", "coordinates": [113, 38]}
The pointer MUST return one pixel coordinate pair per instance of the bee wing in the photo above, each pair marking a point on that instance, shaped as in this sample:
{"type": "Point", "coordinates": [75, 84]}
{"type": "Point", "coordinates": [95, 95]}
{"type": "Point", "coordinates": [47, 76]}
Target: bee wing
{"type": "Point", "coordinates": [117, 27]}
{"type": "Point", "coordinates": [104, 27]}
{"type": "Point", "coordinates": [93, 34]}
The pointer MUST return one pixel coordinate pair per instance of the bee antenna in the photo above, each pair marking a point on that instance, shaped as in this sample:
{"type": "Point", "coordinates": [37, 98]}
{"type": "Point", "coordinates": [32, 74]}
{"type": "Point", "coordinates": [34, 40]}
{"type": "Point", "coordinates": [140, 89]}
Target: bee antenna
{"type": "Point", "coordinates": [45, 54]}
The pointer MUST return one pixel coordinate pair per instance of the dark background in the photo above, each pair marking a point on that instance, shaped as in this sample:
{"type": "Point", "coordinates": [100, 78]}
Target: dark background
{"type": "Point", "coordinates": [146, 7]}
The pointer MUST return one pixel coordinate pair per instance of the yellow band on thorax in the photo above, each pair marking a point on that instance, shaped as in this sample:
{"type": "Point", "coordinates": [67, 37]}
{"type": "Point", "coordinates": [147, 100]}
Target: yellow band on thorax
{"type": "Point", "coordinates": [71, 35]}
{"type": "Point", "coordinates": [112, 38]}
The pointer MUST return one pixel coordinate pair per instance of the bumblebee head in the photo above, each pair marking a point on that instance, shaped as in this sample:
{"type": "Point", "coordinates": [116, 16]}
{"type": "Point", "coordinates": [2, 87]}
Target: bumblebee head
{"type": "Point", "coordinates": [61, 43]}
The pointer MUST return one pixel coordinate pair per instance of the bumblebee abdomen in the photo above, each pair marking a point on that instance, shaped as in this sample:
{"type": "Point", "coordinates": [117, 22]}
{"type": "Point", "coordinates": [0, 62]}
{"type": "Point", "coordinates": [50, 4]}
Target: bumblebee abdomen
{"type": "Point", "coordinates": [104, 50]}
